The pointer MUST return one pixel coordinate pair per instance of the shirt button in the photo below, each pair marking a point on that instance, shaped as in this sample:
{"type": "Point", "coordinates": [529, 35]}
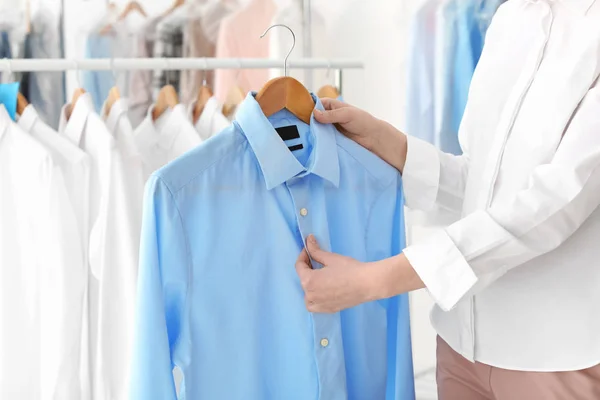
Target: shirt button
{"type": "Point", "coordinates": [324, 342]}
{"type": "Point", "coordinates": [303, 212]}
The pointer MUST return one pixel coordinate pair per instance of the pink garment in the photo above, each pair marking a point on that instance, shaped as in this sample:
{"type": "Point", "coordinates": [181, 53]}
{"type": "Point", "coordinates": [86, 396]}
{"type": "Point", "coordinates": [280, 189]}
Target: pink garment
{"type": "Point", "coordinates": [239, 37]}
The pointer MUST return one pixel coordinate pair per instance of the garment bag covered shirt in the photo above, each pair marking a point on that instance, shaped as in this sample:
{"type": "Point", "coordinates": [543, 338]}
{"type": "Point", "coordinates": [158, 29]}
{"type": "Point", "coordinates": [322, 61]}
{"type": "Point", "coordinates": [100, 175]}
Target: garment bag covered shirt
{"type": "Point", "coordinates": [219, 296]}
{"type": "Point", "coordinates": [41, 274]}
{"type": "Point", "coordinates": [516, 279]}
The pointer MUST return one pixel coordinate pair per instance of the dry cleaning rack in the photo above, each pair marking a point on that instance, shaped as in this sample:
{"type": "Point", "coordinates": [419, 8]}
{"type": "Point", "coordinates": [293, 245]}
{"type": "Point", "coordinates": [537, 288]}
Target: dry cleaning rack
{"type": "Point", "coordinates": [177, 64]}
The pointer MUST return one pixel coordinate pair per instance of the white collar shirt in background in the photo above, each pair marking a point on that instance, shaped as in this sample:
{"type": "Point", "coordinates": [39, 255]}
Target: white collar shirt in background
{"type": "Point", "coordinates": [113, 247]}
{"type": "Point", "coordinates": [211, 120]}
{"type": "Point", "coordinates": [119, 274]}
{"type": "Point", "coordinates": [41, 272]}
{"type": "Point", "coordinates": [280, 43]}
{"type": "Point", "coordinates": [516, 280]}
{"type": "Point", "coordinates": [165, 139]}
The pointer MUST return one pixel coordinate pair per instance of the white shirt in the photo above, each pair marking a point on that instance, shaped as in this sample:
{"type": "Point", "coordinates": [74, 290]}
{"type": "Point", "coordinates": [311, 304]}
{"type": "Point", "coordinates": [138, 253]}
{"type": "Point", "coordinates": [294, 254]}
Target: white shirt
{"type": "Point", "coordinates": [114, 243]}
{"type": "Point", "coordinates": [166, 139]}
{"type": "Point", "coordinates": [516, 280]}
{"type": "Point", "coordinates": [280, 43]}
{"type": "Point", "coordinates": [211, 121]}
{"type": "Point", "coordinates": [42, 279]}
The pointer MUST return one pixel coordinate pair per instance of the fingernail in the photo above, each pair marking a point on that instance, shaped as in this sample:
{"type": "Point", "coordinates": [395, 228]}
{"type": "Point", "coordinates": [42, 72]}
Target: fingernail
{"type": "Point", "coordinates": [311, 238]}
{"type": "Point", "coordinates": [318, 112]}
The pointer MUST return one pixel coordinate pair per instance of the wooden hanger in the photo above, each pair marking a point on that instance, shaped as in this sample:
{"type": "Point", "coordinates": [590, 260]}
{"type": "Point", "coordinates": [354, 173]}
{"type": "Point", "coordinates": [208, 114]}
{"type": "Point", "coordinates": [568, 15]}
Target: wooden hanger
{"type": "Point", "coordinates": [166, 99]}
{"type": "Point", "coordinates": [234, 97]}
{"type": "Point", "coordinates": [204, 94]}
{"type": "Point", "coordinates": [113, 96]}
{"type": "Point", "coordinates": [22, 103]}
{"type": "Point", "coordinates": [130, 7]}
{"type": "Point", "coordinates": [176, 4]}
{"type": "Point", "coordinates": [286, 92]}
{"type": "Point", "coordinates": [328, 91]}
{"type": "Point", "coordinates": [76, 95]}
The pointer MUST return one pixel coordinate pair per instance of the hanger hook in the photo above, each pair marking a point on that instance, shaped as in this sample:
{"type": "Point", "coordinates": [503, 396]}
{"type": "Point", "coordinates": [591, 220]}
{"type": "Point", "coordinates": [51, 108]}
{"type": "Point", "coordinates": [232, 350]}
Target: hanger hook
{"type": "Point", "coordinates": [285, 61]}
{"type": "Point", "coordinates": [204, 71]}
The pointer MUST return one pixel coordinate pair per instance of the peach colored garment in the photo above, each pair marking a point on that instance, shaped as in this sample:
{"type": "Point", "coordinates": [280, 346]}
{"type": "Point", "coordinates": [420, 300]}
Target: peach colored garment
{"type": "Point", "coordinates": [239, 37]}
{"type": "Point", "coordinates": [460, 379]}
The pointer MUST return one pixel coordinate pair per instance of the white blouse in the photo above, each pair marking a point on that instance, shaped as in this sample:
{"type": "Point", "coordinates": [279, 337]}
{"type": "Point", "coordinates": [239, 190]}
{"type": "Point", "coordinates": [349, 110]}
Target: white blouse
{"type": "Point", "coordinates": [517, 279]}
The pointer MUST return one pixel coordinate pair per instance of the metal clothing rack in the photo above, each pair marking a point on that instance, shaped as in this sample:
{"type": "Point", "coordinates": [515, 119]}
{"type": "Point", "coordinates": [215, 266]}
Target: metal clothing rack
{"type": "Point", "coordinates": [170, 64]}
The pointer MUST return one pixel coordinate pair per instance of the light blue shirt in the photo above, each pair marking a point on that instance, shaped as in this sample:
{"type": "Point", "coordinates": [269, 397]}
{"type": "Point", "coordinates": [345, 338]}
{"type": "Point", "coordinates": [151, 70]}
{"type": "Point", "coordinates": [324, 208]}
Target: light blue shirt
{"type": "Point", "coordinates": [8, 97]}
{"type": "Point", "coordinates": [98, 83]}
{"type": "Point", "coordinates": [472, 19]}
{"type": "Point", "coordinates": [218, 294]}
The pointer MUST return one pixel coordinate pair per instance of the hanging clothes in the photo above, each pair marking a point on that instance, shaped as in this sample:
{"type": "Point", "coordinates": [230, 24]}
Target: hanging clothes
{"type": "Point", "coordinates": [230, 313]}
{"type": "Point", "coordinates": [113, 250]}
{"type": "Point", "coordinates": [45, 90]}
{"type": "Point", "coordinates": [165, 139]}
{"type": "Point", "coordinates": [211, 121]}
{"type": "Point", "coordinates": [445, 44]}
{"type": "Point", "coordinates": [8, 98]}
{"type": "Point", "coordinates": [42, 277]}
{"type": "Point", "coordinates": [140, 81]}
{"type": "Point", "coordinates": [200, 40]}
{"type": "Point", "coordinates": [239, 38]}
{"type": "Point", "coordinates": [169, 44]}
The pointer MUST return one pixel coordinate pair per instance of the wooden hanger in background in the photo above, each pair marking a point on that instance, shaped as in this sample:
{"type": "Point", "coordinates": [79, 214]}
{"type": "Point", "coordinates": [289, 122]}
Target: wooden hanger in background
{"type": "Point", "coordinates": [204, 94]}
{"type": "Point", "coordinates": [176, 4]}
{"type": "Point", "coordinates": [166, 99]}
{"type": "Point", "coordinates": [22, 103]}
{"type": "Point", "coordinates": [328, 91]}
{"type": "Point", "coordinates": [234, 97]}
{"type": "Point", "coordinates": [113, 96]}
{"type": "Point", "coordinates": [286, 92]}
{"type": "Point", "coordinates": [129, 8]}
{"type": "Point", "coordinates": [76, 95]}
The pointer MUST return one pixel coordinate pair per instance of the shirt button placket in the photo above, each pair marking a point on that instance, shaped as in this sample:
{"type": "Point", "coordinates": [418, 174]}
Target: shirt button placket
{"type": "Point", "coordinates": [329, 352]}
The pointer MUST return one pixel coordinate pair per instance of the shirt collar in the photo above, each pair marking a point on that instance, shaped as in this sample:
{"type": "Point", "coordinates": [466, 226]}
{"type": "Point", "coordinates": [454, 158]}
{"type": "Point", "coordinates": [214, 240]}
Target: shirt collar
{"type": "Point", "coordinates": [28, 118]}
{"type": "Point", "coordinates": [276, 161]}
{"type": "Point", "coordinates": [580, 6]}
{"type": "Point", "coordinates": [73, 128]}
{"type": "Point", "coordinates": [165, 130]}
{"type": "Point", "coordinates": [204, 124]}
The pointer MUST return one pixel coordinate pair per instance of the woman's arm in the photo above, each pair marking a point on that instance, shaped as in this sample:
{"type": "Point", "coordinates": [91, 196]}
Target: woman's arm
{"type": "Point", "coordinates": [560, 196]}
{"type": "Point", "coordinates": [429, 176]}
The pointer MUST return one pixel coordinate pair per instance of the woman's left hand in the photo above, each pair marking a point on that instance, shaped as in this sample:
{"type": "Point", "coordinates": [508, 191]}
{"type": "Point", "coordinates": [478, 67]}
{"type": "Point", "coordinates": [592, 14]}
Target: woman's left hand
{"type": "Point", "coordinates": [342, 283]}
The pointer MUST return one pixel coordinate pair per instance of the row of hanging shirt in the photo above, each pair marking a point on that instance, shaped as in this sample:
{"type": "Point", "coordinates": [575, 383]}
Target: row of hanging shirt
{"type": "Point", "coordinates": [70, 204]}
{"type": "Point", "coordinates": [214, 28]}
{"type": "Point", "coordinates": [445, 44]}
{"type": "Point", "coordinates": [35, 36]}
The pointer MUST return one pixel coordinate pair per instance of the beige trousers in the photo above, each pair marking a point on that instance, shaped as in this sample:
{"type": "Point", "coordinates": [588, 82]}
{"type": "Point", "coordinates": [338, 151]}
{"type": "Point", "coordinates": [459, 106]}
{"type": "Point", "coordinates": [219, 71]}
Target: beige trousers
{"type": "Point", "coordinates": [459, 379]}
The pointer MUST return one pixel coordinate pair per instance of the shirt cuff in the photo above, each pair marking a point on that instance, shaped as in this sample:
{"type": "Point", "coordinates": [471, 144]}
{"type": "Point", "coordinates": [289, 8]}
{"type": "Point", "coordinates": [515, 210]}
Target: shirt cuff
{"type": "Point", "coordinates": [442, 268]}
{"type": "Point", "coordinates": [421, 174]}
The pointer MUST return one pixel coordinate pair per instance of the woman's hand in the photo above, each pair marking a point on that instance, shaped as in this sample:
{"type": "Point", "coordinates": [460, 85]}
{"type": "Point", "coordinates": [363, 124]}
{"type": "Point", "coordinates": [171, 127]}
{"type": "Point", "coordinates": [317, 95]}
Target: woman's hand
{"type": "Point", "coordinates": [373, 134]}
{"type": "Point", "coordinates": [344, 282]}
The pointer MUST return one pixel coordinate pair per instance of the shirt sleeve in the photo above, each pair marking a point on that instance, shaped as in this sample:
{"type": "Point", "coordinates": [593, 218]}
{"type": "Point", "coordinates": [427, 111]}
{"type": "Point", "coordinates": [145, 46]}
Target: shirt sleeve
{"type": "Point", "coordinates": [161, 294]}
{"type": "Point", "coordinates": [560, 196]}
{"type": "Point", "coordinates": [432, 177]}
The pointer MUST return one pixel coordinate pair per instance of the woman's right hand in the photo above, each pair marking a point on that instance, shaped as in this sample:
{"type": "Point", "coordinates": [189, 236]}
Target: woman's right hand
{"type": "Point", "coordinates": [373, 134]}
